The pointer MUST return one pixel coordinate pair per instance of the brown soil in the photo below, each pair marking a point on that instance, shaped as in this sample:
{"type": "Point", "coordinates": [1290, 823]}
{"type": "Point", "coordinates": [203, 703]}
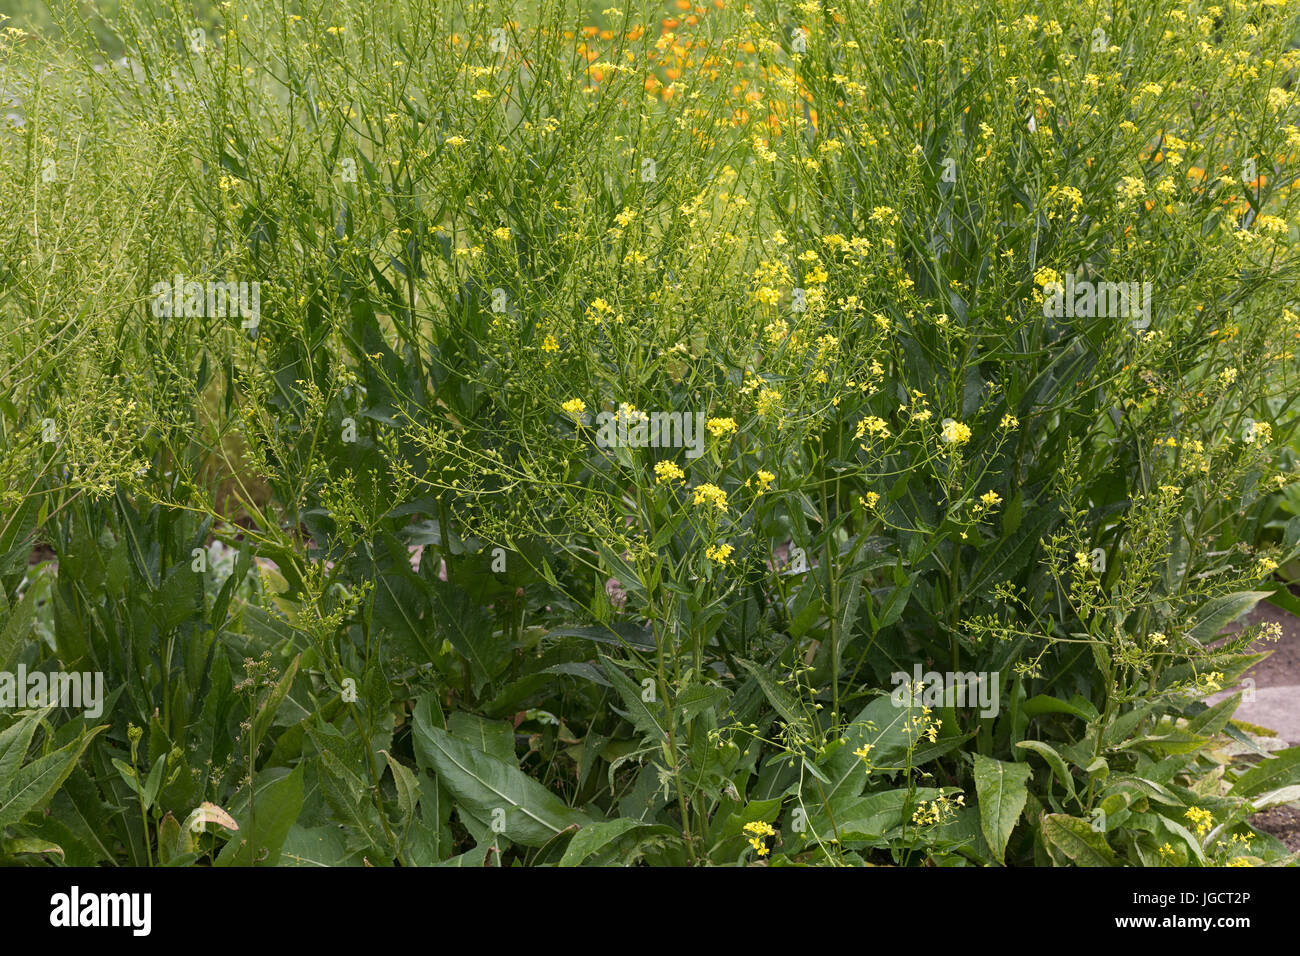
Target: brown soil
{"type": "Point", "coordinates": [1281, 822]}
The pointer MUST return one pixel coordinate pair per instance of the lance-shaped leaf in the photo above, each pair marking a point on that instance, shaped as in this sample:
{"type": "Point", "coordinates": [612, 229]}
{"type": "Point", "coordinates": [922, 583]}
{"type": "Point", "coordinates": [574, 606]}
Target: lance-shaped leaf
{"type": "Point", "coordinates": [529, 814]}
{"type": "Point", "coordinates": [1001, 789]}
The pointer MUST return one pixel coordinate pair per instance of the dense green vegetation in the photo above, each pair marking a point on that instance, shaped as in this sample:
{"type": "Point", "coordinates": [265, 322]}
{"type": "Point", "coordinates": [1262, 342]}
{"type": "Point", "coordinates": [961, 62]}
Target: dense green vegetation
{"type": "Point", "coordinates": [389, 551]}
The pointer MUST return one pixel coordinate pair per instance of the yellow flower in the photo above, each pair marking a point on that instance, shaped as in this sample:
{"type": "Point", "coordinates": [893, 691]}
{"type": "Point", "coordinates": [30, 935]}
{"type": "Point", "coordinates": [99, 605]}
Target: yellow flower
{"type": "Point", "coordinates": [598, 309]}
{"type": "Point", "coordinates": [1260, 432]}
{"type": "Point", "coordinates": [575, 407]}
{"type": "Point", "coordinates": [711, 495]}
{"type": "Point", "coordinates": [1265, 566]}
{"type": "Point", "coordinates": [502, 233]}
{"type": "Point", "coordinates": [1010, 421]}
{"type": "Point", "coordinates": [768, 399]}
{"type": "Point", "coordinates": [550, 345]}
{"type": "Point", "coordinates": [666, 471]}
{"type": "Point", "coordinates": [990, 499]}
{"type": "Point", "coordinates": [869, 500]}
{"type": "Point", "coordinates": [871, 425]}
{"type": "Point", "coordinates": [720, 426]}
{"type": "Point", "coordinates": [720, 553]}
{"type": "Point", "coordinates": [1201, 817]}
{"type": "Point", "coordinates": [955, 433]}
{"type": "Point", "coordinates": [765, 479]}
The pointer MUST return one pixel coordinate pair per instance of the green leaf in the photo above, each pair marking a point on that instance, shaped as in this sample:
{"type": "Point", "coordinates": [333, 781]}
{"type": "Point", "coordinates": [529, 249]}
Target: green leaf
{"type": "Point", "coordinates": [349, 796]}
{"type": "Point", "coordinates": [408, 788]}
{"type": "Point", "coordinates": [600, 844]}
{"type": "Point", "coordinates": [1213, 719]}
{"type": "Point", "coordinates": [266, 713]}
{"type": "Point", "coordinates": [317, 846]}
{"type": "Point", "coordinates": [1280, 770]}
{"type": "Point", "coordinates": [1072, 838]}
{"type": "Point", "coordinates": [1046, 704]}
{"type": "Point", "coordinates": [14, 743]}
{"type": "Point", "coordinates": [1218, 613]}
{"type": "Point", "coordinates": [1002, 792]}
{"type": "Point", "coordinates": [480, 783]}
{"type": "Point", "coordinates": [16, 845]}
{"type": "Point", "coordinates": [276, 808]}
{"type": "Point", "coordinates": [872, 816]}
{"type": "Point", "coordinates": [642, 716]}
{"type": "Point", "coordinates": [34, 784]}
{"type": "Point", "coordinates": [781, 699]}
{"type": "Point", "coordinates": [1054, 760]}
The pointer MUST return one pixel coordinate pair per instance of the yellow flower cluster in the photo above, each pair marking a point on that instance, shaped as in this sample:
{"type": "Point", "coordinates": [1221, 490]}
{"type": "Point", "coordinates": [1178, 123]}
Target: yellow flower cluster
{"type": "Point", "coordinates": [871, 425]}
{"type": "Point", "coordinates": [721, 553]}
{"type": "Point", "coordinates": [1202, 818]}
{"type": "Point", "coordinates": [666, 471]}
{"type": "Point", "coordinates": [955, 433]}
{"type": "Point", "coordinates": [939, 810]}
{"type": "Point", "coordinates": [758, 831]}
{"type": "Point", "coordinates": [720, 426]}
{"type": "Point", "coordinates": [708, 494]}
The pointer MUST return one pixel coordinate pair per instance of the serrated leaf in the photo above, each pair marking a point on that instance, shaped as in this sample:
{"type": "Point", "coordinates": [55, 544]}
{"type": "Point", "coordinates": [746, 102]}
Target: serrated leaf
{"type": "Point", "coordinates": [598, 843]}
{"type": "Point", "coordinates": [642, 716]}
{"type": "Point", "coordinates": [1076, 840]}
{"type": "Point", "coordinates": [1218, 613]}
{"type": "Point", "coordinates": [1280, 770]}
{"type": "Point", "coordinates": [480, 783]}
{"type": "Point", "coordinates": [1002, 792]}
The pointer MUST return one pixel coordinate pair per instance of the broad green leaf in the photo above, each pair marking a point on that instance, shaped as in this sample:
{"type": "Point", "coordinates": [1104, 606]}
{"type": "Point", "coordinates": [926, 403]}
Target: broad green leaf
{"type": "Point", "coordinates": [17, 845]}
{"type": "Point", "coordinates": [34, 784]}
{"type": "Point", "coordinates": [1001, 789]}
{"type": "Point", "coordinates": [599, 844]}
{"type": "Point", "coordinates": [350, 797]}
{"type": "Point", "coordinates": [530, 814]}
{"type": "Point", "coordinates": [1218, 613]}
{"type": "Point", "coordinates": [1280, 770]}
{"type": "Point", "coordinates": [1074, 839]}
{"type": "Point", "coordinates": [408, 788]}
{"type": "Point", "coordinates": [317, 846]}
{"type": "Point", "coordinates": [276, 807]}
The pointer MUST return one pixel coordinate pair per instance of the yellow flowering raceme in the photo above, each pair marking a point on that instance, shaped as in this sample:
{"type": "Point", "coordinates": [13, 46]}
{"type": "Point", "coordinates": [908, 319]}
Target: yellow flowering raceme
{"type": "Point", "coordinates": [955, 433]}
{"type": "Point", "coordinates": [720, 426]}
{"type": "Point", "coordinates": [721, 553]}
{"type": "Point", "coordinates": [709, 494]}
{"type": "Point", "coordinates": [666, 471]}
